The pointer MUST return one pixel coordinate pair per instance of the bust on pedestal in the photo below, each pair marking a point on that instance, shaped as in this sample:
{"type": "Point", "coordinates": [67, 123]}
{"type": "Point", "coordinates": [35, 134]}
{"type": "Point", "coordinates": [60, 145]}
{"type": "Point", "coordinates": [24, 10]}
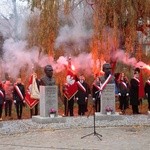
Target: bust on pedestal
{"type": "Point", "coordinates": [107, 90]}
{"type": "Point", "coordinates": [48, 92]}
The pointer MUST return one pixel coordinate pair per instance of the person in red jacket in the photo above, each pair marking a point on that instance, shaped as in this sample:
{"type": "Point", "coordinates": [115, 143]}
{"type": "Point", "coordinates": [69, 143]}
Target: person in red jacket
{"type": "Point", "coordinates": [8, 87]}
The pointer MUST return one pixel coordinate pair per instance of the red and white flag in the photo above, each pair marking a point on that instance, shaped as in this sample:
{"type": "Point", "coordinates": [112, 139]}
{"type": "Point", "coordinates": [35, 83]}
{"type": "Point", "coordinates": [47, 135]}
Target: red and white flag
{"type": "Point", "coordinates": [30, 101]}
{"type": "Point", "coordinates": [71, 87]}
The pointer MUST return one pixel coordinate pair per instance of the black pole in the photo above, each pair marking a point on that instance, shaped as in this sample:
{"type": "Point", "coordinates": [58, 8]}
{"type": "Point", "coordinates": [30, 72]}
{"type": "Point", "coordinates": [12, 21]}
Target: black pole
{"type": "Point", "coordinates": [93, 133]}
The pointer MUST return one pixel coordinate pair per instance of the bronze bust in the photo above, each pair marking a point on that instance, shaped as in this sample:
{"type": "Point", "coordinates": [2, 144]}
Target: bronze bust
{"type": "Point", "coordinates": [107, 72]}
{"type": "Point", "coordinates": [48, 79]}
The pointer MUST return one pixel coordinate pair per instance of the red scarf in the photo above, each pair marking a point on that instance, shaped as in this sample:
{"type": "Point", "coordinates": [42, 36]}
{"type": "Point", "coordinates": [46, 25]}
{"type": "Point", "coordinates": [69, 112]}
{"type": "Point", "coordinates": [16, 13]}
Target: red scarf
{"type": "Point", "coordinates": [124, 84]}
{"type": "Point", "coordinates": [148, 82]}
{"type": "Point", "coordinates": [19, 92]}
{"type": "Point", "coordinates": [106, 82]}
{"type": "Point", "coordinates": [136, 79]}
{"type": "Point", "coordinates": [81, 86]}
{"type": "Point", "coordinates": [97, 87]}
{"type": "Point", "coordinates": [1, 93]}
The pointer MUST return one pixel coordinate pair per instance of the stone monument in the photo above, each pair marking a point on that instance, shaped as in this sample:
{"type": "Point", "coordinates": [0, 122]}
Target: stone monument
{"type": "Point", "coordinates": [107, 89]}
{"type": "Point", "coordinates": [108, 98]}
{"type": "Point", "coordinates": [48, 100]}
{"type": "Point", "coordinates": [48, 93]}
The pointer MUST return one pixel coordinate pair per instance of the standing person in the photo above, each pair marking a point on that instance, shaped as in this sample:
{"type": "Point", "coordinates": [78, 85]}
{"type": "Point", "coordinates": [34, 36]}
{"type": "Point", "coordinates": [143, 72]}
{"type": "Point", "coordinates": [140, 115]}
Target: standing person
{"type": "Point", "coordinates": [68, 103]}
{"type": "Point", "coordinates": [96, 94]}
{"type": "Point", "coordinates": [147, 92]}
{"type": "Point", "coordinates": [65, 101]}
{"type": "Point", "coordinates": [19, 97]}
{"type": "Point", "coordinates": [2, 99]}
{"type": "Point", "coordinates": [8, 87]}
{"type": "Point", "coordinates": [82, 95]}
{"type": "Point", "coordinates": [123, 92]}
{"type": "Point", "coordinates": [134, 91]}
{"type": "Point", "coordinates": [71, 106]}
{"type": "Point", "coordinates": [70, 88]}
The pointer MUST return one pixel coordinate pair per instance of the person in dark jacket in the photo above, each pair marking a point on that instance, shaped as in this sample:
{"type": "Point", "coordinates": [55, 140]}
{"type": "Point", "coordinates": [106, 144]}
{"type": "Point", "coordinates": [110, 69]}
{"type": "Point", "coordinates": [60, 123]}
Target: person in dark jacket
{"type": "Point", "coordinates": [134, 91]}
{"type": "Point", "coordinates": [2, 99]}
{"type": "Point", "coordinates": [19, 96]}
{"type": "Point", "coordinates": [147, 92]}
{"type": "Point", "coordinates": [96, 94]}
{"type": "Point", "coordinates": [68, 104]}
{"type": "Point", "coordinates": [82, 95]}
{"type": "Point", "coordinates": [123, 92]}
{"type": "Point", "coordinates": [8, 87]}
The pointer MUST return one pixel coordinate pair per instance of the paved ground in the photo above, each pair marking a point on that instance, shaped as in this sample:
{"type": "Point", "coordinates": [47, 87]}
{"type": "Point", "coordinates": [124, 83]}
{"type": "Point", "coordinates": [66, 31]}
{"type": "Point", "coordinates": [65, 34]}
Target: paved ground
{"type": "Point", "coordinates": [114, 138]}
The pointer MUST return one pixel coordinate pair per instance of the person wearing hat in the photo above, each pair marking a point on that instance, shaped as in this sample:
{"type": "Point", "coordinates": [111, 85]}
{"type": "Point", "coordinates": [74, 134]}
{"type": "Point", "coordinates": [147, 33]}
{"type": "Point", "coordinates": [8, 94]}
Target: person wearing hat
{"type": "Point", "coordinates": [134, 91]}
{"type": "Point", "coordinates": [95, 94]}
{"type": "Point", "coordinates": [8, 87]}
{"type": "Point", "coordinates": [48, 79]}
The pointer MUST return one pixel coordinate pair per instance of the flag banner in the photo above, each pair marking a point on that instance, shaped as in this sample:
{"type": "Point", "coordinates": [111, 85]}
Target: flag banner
{"type": "Point", "coordinates": [71, 87]}
{"type": "Point", "coordinates": [32, 93]}
{"type": "Point", "coordinates": [35, 93]}
{"type": "Point", "coordinates": [30, 101]}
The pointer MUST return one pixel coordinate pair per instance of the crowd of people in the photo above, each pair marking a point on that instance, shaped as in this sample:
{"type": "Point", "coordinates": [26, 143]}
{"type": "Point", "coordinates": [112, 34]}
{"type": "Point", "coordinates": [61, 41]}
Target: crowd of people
{"type": "Point", "coordinates": [10, 94]}
{"type": "Point", "coordinates": [17, 94]}
{"type": "Point", "coordinates": [127, 92]}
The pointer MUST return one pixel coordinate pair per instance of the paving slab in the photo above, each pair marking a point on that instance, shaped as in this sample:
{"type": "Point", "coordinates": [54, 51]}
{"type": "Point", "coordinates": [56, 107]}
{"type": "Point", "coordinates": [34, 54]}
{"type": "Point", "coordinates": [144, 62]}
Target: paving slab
{"type": "Point", "coordinates": [114, 138]}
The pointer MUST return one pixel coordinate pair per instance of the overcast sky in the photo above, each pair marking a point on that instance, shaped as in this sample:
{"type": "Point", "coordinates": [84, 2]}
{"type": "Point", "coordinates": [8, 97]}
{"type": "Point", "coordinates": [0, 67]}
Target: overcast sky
{"type": "Point", "coordinates": [6, 6]}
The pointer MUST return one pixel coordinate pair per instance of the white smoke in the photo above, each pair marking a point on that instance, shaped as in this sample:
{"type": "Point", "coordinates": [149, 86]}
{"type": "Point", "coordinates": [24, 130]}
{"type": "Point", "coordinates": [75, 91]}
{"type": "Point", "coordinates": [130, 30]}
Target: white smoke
{"type": "Point", "coordinates": [16, 56]}
{"type": "Point", "coordinates": [121, 56]}
{"type": "Point", "coordinates": [82, 62]}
